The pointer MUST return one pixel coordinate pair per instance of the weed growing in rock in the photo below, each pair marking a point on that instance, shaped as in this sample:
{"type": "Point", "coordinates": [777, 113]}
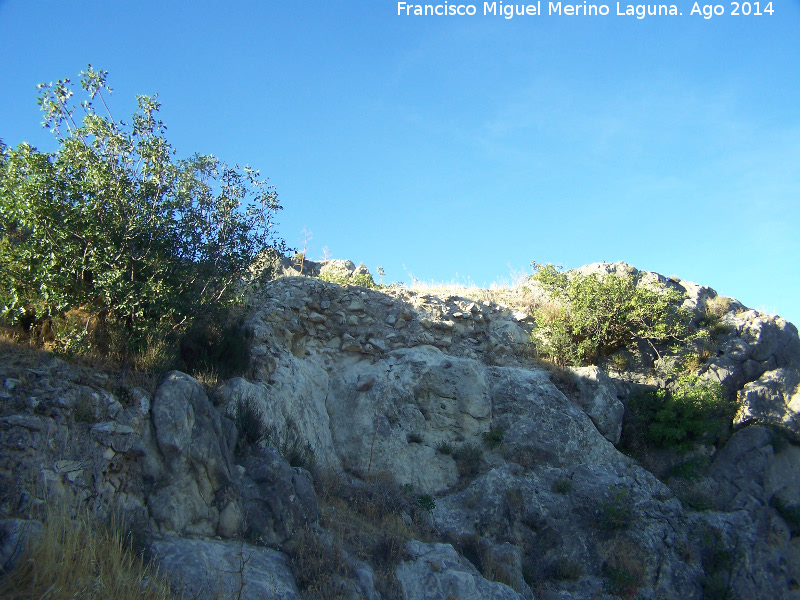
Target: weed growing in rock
{"type": "Point", "coordinates": [620, 583]}
{"type": "Point", "coordinates": [297, 453]}
{"type": "Point", "coordinates": [714, 318]}
{"type": "Point", "coordinates": [445, 448]}
{"type": "Point", "coordinates": [624, 568]}
{"type": "Point", "coordinates": [249, 424]}
{"type": "Point", "coordinates": [566, 569]}
{"type": "Point", "coordinates": [414, 438]}
{"type": "Point", "coordinates": [719, 558]}
{"type": "Point", "coordinates": [615, 513]}
{"type": "Point", "coordinates": [318, 565]}
{"type": "Point", "coordinates": [562, 485]}
{"type": "Point", "coordinates": [494, 437]}
{"type": "Point", "coordinates": [84, 410]}
{"type": "Point", "coordinates": [468, 459]}
{"type": "Point", "coordinates": [426, 502]}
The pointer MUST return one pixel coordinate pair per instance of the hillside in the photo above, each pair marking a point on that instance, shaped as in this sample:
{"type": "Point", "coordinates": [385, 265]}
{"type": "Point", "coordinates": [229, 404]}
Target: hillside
{"type": "Point", "coordinates": [385, 442]}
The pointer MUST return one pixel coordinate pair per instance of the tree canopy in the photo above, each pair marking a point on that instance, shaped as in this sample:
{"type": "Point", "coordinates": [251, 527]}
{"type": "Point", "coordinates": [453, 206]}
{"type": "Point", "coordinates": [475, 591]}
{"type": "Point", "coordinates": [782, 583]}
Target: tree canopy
{"type": "Point", "coordinates": [113, 224]}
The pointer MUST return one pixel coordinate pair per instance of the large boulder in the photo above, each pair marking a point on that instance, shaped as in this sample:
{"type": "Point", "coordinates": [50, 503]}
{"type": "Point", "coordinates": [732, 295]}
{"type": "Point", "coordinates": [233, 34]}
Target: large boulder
{"type": "Point", "coordinates": [773, 399]}
{"type": "Point", "coordinates": [437, 571]}
{"type": "Point", "coordinates": [597, 395]}
{"type": "Point", "coordinates": [278, 499]}
{"type": "Point", "coordinates": [205, 568]}
{"type": "Point", "coordinates": [291, 405]}
{"type": "Point", "coordinates": [189, 462]}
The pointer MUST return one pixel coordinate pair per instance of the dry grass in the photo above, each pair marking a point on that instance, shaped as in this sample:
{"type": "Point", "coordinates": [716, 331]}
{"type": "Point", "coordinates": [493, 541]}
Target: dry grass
{"type": "Point", "coordinates": [17, 356]}
{"type": "Point", "coordinates": [513, 291]}
{"type": "Point", "coordinates": [81, 558]}
{"type": "Point", "coordinates": [373, 521]}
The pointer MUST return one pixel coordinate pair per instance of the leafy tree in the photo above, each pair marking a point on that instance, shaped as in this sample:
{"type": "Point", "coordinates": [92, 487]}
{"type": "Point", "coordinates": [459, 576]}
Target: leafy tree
{"type": "Point", "coordinates": [113, 224]}
{"type": "Point", "coordinates": [595, 315]}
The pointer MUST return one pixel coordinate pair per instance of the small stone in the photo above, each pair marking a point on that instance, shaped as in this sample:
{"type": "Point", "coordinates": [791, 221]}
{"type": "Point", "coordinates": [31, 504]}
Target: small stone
{"type": "Point", "coordinates": [113, 428]}
{"type": "Point", "coordinates": [351, 347]}
{"type": "Point", "coordinates": [426, 338]}
{"type": "Point", "coordinates": [446, 325]}
{"type": "Point", "coordinates": [356, 306]}
{"type": "Point", "coordinates": [10, 383]}
{"type": "Point", "coordinates": [378, 344]}
{"type": "Point", "coordinates": [64, 402]}
{"type": "Point", "coordinates": [28, 422]}
{"type": "Point", "coordinates": [230, 521]}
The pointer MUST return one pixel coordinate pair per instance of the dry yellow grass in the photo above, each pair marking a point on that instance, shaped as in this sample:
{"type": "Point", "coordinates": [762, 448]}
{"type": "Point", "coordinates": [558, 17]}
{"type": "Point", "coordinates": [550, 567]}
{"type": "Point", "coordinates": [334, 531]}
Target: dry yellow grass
{"type": "Point", "coordinates": [81, 558]}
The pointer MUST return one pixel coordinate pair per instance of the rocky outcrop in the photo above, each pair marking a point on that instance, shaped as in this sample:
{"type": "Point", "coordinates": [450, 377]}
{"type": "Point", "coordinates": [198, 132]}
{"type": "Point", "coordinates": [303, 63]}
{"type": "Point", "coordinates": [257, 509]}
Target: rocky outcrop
{"type": "Point", "coordinates": [205, 568]}
{"type": "Point", "coordinates": [188, 459]}
{"type": "Point", "coordinates": [427, 414]}
{"type": "Point", "coordinates": [438, 571]}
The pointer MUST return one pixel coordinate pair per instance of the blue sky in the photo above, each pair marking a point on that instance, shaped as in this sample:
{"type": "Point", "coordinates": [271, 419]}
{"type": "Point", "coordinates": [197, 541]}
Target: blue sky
{"type": "Point", "coordinates": [462, 148]}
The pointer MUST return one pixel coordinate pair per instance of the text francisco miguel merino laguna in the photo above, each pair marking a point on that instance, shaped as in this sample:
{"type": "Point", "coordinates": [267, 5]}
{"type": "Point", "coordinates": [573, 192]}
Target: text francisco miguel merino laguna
{"type": "Point", "coordinates": [509, 11]}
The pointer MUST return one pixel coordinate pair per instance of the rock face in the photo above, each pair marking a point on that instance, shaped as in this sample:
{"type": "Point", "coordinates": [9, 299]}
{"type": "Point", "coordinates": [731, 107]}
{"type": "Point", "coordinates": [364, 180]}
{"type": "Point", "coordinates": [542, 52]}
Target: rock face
{"type": "Point", "coordinates": [520, 489]}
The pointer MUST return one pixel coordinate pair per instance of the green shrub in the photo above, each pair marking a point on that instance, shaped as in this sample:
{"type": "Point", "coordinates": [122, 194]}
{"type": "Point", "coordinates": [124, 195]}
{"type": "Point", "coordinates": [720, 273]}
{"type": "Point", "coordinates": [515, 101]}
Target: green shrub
{"type": "Point", "coordinates": [343, 278]}
{"type": "Point", "coordinates": [690, 469]}
{"type": "Point", "coordinates": [691, 411]}
{"type": "Point", "coordinates": [600, 315]}
{"type": "Point", "coordinates": [616, 512]}
{"type": "Point", "coordinates": [110, 224]}
{"type": "Point", "coordinates": [494, 437]}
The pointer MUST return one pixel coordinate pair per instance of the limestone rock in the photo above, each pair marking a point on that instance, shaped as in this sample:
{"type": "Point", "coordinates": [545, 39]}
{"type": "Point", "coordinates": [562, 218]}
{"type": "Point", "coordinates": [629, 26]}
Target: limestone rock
{"type": "Point", "coordinates": [598, 397]}
{"type": "Point", "coordinates": [201, 568]}
{"type": "Point", "coordinates": [194, 457]}
{"type": "Point", "coordinates": [15, 535]}
{"type": "Point", "coordinates": [436, 571]}
{"type": "Point", "coordinates": [772, 399]}
{"type": "Point", "coordinates": [277, 499]}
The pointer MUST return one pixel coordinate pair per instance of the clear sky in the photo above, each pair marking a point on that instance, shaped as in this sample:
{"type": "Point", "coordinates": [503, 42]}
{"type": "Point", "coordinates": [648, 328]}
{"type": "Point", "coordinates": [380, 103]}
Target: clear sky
{"type": "Point", "coordinates": [464, 147]}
